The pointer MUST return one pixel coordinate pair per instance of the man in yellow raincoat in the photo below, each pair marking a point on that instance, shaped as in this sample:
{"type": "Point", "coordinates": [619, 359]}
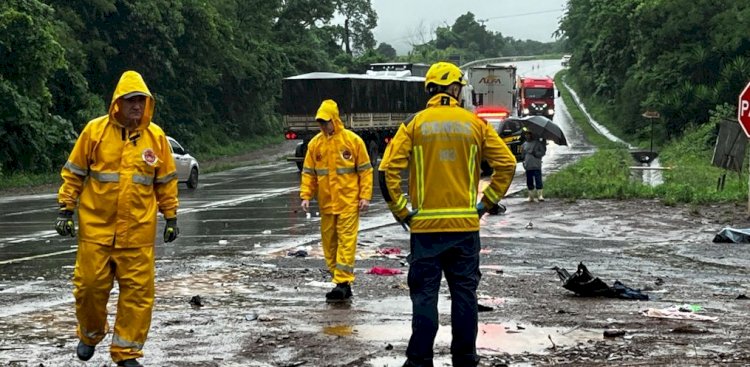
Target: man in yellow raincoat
{"type": "Point", "coordinates": [119, 173]}
{"type": "Point", "coordinates": [337, 168]}
{"type": "Point", "coordinates": [442, 146]}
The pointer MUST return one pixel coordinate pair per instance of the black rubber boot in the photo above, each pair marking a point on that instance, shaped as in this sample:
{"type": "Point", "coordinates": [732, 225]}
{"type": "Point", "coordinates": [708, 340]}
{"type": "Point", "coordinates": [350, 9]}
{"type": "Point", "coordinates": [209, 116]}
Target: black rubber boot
{"type": "Point", "coordinates": [341, 292]}
{"type": "Point", "coordinates": [85, 351]}
{"type": "Point", "coordinates": [129, 363]}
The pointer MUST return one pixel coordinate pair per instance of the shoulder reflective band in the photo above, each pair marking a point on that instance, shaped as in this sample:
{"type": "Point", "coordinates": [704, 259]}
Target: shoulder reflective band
{"type": "Point", "coordinates": [105, 176]}
{"type": "Point", "coordinates": [75, 169]}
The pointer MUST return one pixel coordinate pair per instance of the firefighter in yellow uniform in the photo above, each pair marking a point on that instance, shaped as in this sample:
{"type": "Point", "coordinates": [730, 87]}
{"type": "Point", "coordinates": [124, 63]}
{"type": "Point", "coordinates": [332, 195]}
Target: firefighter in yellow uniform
{"type": "Point", "coordinates": [119, 173]}
{"type": "Point", "coordinates": [442, 147]}
{"type": "Point", "coordinates": [337, 168]}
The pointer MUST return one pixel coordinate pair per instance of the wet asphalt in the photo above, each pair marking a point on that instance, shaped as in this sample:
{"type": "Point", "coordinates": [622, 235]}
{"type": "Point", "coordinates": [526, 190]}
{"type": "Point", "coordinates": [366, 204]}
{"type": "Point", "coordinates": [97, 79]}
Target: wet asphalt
{"type": "Point", "coordinates": [247, 210]}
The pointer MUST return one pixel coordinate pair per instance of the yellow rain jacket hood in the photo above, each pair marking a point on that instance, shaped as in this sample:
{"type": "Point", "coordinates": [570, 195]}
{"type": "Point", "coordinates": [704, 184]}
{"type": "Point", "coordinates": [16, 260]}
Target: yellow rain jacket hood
{"type": "Point", "coordinates": [336, 167]}
{"type": "Point", "coordinates": [118, 178]}
{"type": "Point", "coordinates": [443, 146]}
{"type": "Point", "coordinates": [132, 83]}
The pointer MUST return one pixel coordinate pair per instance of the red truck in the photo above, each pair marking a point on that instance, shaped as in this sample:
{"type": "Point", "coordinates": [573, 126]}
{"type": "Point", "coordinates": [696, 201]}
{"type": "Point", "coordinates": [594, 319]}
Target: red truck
{"type": "Point", "coordinates": [536, 96]}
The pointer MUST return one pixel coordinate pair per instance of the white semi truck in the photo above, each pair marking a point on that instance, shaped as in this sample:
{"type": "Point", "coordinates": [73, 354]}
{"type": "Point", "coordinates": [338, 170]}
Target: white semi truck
{"type": "Point", "coordinates": [494, 85]}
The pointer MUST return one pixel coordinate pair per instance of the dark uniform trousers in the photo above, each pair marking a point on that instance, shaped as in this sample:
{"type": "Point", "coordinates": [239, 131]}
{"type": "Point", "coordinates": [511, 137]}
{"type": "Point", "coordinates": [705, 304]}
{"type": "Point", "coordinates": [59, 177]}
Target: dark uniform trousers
{"type": "Point", "coordinates": [457, 255]}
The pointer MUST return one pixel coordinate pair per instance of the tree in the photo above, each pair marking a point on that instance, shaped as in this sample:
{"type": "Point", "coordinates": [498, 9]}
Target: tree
{"type": "Point", "coordinates": [359, 21]}
{"type": "Point", "coordinates": [29, 57]}
{"type": "Point", "coordinates": [386, 50]}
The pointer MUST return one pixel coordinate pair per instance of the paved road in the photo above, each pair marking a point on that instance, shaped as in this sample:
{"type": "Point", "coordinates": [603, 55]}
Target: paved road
{"type": "Point", "coordinates": [255, 205]}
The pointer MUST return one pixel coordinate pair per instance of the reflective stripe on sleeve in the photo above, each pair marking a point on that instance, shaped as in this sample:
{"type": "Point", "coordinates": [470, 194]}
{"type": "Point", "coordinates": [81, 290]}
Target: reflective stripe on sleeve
{"type": "Point", "coordinates": [308, 170]}
{"type": "Point", "coordinates": [491, 194]}
{"type": "Point", "coordinates": [75, 169]}
{"type": "Point", "coordinates": [166, 178]}
{"type": "Point", "coordinates": [321, 171]}
{"type": "Point", "coordinates": [398, 205]}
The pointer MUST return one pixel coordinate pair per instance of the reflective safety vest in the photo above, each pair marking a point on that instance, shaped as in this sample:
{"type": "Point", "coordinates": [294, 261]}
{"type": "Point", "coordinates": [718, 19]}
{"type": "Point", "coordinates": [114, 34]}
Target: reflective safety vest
{"type": "Point", "coordinates": [442, 146]}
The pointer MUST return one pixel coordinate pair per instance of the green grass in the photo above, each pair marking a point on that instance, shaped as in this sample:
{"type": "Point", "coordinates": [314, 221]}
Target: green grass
{"type": "Point", "coordinates": [19, 180]}
{"type": "Point", "coordinates": [606, 174]}
{"type": "Point", "coordinates": [603, 175]}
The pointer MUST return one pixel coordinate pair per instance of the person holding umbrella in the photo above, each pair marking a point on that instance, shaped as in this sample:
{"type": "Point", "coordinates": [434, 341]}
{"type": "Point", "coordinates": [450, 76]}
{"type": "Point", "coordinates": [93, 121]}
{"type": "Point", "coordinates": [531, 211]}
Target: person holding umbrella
{"type": "Point", "coordinates": [533, 149]}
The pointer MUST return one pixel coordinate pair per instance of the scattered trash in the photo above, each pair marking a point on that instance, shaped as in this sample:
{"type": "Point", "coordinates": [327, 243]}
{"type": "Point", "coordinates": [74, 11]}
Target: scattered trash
{"type": "Point", "coordinates": [39, 278]}
{"type": "Point", "coordinates": [196, 302]}
{"type": "Point", "coordinates": [733, 235]}
{"type": "Point", "coordinates": [389, 251]}
{"type": "Point", "coordinates": [583, 283]}
{"type": "Point", "coordinates": [483, 308]}
{"type": "Point", "coordinates": [689, 329]}
{"type": "Point", "coordinates": [389, 347]}
{"type": "Point", "coordinates": [613, 333]}
{"type": "Point", "coordinates": [689, 308]}
{"type": "Point", "coordinates": [251, 316]}
{"type": "Point", "coordinates": [491, 301]}
{"type": "Point", "coordinates": [297, 253]}
{"type": "Point", "coordinates": [530, 225]}
{"type": "Point", "coordinates": [267, 231]}
{"type": "Point", "coordinates": [485, 251]}
{"type": "Point", "coordinates": [378, 270]}
{"type": "Point", "coordinates": [675, 312]}
{"type": "Point", "coordinates": [307, 215]}
{"type": "Point", "coordinates": [266, 318]}
{"type": "Point", "coordinates": [223, 242]}
{"type": "Point", "coordinates": [741, 296]}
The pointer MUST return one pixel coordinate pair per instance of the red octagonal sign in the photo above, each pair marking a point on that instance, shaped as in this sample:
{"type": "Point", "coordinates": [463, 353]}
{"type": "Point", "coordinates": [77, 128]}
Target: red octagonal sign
{"type": "Point", "coordinates": [743, 110]}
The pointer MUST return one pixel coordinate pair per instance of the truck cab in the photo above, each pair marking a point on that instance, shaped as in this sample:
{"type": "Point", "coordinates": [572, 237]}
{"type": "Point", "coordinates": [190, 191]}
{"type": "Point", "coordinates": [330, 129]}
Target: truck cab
{"type": "Point", "coordinates": [537, 96]}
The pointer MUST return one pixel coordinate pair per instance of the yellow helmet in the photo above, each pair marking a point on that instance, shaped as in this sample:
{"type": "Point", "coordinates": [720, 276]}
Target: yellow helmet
{"type": "Point", "coordinates": [443, 73]}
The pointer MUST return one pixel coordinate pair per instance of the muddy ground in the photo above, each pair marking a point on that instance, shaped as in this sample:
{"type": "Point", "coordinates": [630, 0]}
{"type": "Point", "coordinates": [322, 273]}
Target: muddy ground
{"type": "Point", "coordinates": [259, 307]}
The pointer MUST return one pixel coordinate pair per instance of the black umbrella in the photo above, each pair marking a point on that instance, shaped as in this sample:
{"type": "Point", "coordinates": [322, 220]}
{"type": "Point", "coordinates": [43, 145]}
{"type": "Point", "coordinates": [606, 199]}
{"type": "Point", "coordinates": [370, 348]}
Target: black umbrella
{"type": "Point", "coordinates": [543, 127]}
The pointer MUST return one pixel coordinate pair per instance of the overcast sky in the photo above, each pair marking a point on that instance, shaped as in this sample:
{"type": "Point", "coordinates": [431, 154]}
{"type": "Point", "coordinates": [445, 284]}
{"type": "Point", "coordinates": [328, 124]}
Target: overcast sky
{"type": "Point", "coordinates": [403, 22]}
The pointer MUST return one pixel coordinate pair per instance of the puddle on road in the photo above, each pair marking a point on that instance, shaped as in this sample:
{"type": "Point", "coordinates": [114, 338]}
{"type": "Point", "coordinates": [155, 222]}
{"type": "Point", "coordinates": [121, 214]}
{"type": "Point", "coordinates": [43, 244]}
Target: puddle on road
{"type": "Point", "coordinates": [492, 338]}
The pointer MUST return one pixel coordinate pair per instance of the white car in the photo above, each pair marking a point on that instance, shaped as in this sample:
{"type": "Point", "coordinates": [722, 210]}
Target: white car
{"type": "Point", "coordinates": [565, 61]}
{"type": "Point", "coordinates": [187, 166]}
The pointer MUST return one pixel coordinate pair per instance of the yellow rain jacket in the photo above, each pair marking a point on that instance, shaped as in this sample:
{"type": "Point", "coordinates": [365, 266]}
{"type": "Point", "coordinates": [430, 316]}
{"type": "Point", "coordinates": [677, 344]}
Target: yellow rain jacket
{"type": "Point", "coordinates": [442, 146]}
{"type": "Point", "coordinates": [118, 178]}
{"type": "Point", "coordinates": [337, 167]}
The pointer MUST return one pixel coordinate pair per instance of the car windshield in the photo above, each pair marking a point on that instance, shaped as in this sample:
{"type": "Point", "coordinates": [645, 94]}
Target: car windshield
{"type": "Point", "coordinates": [540, 93]}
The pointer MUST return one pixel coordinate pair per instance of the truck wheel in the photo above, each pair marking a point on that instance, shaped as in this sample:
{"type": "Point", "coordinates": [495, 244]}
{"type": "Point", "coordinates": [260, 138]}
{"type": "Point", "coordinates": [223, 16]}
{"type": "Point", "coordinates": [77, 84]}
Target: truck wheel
{"type": "Point", "coordinates": [373, 151]}
{"type": "Point", "coordinates": [299, 152]}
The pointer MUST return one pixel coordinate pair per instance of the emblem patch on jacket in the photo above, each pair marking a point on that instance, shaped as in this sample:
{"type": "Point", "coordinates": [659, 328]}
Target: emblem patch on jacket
{"type": "Point", "coordinates": [149, 156]}
{"type": "Point", "coordinates": [346, 154]}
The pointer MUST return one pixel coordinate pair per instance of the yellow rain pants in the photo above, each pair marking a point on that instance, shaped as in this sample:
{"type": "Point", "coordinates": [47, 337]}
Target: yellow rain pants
{"type": "Point", "coordinates": [339, 235]}
{"type": "Point", "coordinates": [96, 268]}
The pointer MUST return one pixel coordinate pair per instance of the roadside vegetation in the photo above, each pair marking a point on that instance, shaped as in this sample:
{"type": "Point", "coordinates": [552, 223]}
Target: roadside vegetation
{"type": "Point", "coordinates": [689, 177]}
{"type": "Point", "coordinates": [214, 67]}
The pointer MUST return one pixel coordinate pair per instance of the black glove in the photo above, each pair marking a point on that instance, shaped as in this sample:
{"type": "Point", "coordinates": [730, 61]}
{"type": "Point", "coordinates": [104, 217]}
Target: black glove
{"type": "Point", "coordinates": [481, 209]}
{"type": "Point", "coordinates": [406, 222]}
{"type": "Point", "coordinates": [170, 230]}
{"type": "Point", "coordinates": [64, 225]}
